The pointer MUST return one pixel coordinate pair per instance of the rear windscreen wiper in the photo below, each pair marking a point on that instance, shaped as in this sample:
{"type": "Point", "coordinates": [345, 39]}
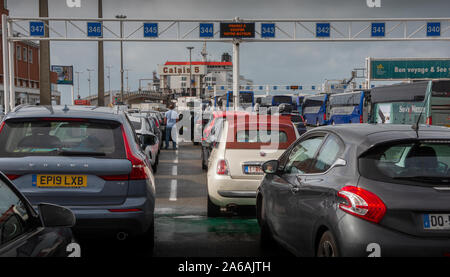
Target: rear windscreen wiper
{"type": "Point", "coordinates": [80, 153]}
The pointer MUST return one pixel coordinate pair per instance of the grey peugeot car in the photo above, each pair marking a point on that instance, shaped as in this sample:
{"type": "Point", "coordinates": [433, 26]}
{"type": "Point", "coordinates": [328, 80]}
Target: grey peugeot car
{"type": "Point", "coordinates": [360, 190]}
{"type": "Point", "coordinates": [85, 158]}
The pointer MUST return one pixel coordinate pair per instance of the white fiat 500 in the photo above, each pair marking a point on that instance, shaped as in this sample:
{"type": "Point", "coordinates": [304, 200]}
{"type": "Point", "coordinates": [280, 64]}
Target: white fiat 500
{"type": "Point", "coordinates": [239, 149]}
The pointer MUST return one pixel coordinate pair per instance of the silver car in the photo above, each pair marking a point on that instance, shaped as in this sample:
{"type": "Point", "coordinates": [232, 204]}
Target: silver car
{"type": "Point", "coordinates": [85, 158]}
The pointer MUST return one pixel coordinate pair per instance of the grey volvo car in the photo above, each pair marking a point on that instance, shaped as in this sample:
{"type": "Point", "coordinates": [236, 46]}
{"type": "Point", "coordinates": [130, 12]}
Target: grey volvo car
{"type": "Point", "coordinates": [85, 158]}
{"type": "Point", "coordinates": [360, 190]}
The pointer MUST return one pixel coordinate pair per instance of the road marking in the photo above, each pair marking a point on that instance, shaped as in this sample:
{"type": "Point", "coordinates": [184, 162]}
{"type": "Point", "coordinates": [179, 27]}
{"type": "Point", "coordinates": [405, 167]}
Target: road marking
{"type": "Point", "coordinates": [176, 159]}
{"type": "Point", "coordinates": [174, 184]}
{"type": "Point", "coordinates": [173, 190]}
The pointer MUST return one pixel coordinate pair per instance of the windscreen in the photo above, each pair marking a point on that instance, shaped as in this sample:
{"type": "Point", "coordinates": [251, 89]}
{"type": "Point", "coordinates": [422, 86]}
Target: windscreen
{"type": "Point", "coordinates": [246, 98]}
{"type": "Point", "coordinates": [424, 162]}
{"type": "Point", "coordinates": [60, 137]}
{"type": "Point", "coordinates": [282, 100]}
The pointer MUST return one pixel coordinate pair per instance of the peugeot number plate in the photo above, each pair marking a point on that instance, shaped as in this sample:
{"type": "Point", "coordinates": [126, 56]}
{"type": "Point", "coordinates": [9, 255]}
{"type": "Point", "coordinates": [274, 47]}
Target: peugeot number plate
{"type": "Point", "coordinates": [436, 221]}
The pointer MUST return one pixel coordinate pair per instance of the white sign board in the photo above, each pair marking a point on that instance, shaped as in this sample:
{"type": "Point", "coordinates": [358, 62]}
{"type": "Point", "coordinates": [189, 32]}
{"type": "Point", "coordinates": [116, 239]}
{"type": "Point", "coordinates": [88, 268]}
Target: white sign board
{"type": "Point", "coordinates": [181, 69]}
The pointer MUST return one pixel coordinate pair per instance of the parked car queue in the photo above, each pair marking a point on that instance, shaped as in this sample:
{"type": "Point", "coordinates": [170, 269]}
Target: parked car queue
{"type": "Point", "coordinates": [345, 190]}
{"type": "Point", "coordinates": [334, 191]}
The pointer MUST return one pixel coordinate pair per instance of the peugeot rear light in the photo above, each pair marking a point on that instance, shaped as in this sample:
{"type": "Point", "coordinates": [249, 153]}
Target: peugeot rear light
{"type": "Point", "coordinates": [362, 203]}
{"type": "Point", "coordinates": [139, 170]}
{"type": "Point", "coordinates": [222, 167]}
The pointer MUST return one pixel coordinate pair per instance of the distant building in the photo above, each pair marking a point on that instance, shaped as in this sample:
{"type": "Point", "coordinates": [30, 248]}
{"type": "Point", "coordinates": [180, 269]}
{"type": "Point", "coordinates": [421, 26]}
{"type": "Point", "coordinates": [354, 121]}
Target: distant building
{"type": "Point", "coordinates": [205, 75]}
{"type": "Point", "coordinates": [26, 70]}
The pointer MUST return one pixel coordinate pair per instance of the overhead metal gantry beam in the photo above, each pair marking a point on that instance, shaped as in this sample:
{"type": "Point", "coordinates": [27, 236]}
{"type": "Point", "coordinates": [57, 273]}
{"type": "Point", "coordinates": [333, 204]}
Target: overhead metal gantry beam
{"type": "Point", "coordinates": [194, 30]}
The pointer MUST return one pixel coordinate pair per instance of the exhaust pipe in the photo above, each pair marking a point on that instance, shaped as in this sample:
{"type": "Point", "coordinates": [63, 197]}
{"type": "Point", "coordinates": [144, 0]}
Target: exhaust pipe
{"type": "Point", "coordinates": [121, 236]}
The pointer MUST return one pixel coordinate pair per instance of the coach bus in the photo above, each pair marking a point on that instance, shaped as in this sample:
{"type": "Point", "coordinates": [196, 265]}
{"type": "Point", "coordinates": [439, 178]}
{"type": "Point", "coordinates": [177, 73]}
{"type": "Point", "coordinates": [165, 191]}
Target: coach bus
{"type": "Point", "coordinates": [349, 107]}
{"type": "Point", "coordinates": [281, 99]}
{"type": "Point", "coordinates": [225, 102]}
{"type": "Point", "coordinates": [406, 103]}
{"type": "Point", "coordinates": [315, 109]}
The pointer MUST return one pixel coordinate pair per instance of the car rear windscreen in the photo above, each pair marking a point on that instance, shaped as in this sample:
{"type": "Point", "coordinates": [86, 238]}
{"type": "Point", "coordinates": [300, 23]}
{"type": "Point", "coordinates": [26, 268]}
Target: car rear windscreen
{"type": "Point", "coordinates": [282, 99]}
{"type": "Point", "coordinates": [261, 136]}
{"type": "Point", "coordinates": [416, 163]}
{"type": "Point", "coordinates": [63, 137]}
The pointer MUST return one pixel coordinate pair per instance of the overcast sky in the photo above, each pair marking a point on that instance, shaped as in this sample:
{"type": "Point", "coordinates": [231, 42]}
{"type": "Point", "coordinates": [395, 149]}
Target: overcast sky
{"type": "Point", "coordinates": [264, 63]}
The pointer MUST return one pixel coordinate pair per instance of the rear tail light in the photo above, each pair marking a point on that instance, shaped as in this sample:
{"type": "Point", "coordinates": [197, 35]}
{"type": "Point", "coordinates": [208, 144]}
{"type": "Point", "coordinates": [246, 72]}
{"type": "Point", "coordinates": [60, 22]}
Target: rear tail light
{"type": "Point", "coordinates": [139, 170]}
{"type": "Point", "coordinates": [360, 119]}
{"type": "Point", "coordinates": [1, 126]}
{"type": "Point", "coordinates": [429, 120]}
{"type": "Point", "coordinates": [12, 176]}
{"type": "Point", "coordinates": [222, 167]}
{"type": "Point", "coordinates": [362, 203]}
{"type": "Point", "coordinates": [324, 117]}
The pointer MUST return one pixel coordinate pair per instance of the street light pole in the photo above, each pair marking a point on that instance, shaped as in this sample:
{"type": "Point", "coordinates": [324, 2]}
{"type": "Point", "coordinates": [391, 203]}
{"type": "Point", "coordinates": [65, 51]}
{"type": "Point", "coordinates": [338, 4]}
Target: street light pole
{"type": "Point", "coordinates": [190, 69]}
{"type": "Point", "coordinates": [89, 80]}
{"type": "Point", "coordinates": [109, 83]}
{"type": "Point", "coordinates": [78, 81]}
{"type": "Point", "coordinates": [121, 56]}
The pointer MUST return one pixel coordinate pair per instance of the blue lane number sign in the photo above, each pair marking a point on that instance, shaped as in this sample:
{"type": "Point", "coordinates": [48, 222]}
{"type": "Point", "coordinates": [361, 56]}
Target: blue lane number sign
{"type": "Point", "coordinates": [323, 30]}
{"type": "Point", "coordinates": [267, 30]}
{"type": "Point", "coordinates": [206, 30]}
{"type": "Point", "coordinates": [433, 29]}
{"type": "Point", "coordinates": [94, 29]}
{"type": "Point", "coordinates": [37, 29]}
{"type": "Point", "coordinates": [150, 30]}
{"type": "Point", "coordinates": [378, 29]}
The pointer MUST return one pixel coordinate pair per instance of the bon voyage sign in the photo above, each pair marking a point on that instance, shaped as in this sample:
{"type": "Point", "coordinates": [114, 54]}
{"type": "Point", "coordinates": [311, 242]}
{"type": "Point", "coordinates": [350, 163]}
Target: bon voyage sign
{"type": "Point", "coordinates": [407, 69]}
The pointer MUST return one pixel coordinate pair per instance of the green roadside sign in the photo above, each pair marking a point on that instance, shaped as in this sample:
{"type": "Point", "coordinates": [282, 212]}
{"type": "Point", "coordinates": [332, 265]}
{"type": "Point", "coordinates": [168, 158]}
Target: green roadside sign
{"type": "Point", "coordinates": [407, 69]}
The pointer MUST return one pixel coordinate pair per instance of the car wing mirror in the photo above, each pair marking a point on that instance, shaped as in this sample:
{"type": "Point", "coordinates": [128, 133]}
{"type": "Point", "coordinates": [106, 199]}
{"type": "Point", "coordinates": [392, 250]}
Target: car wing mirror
{"type": "Point", "coordinates": [56, 216]}
{"type": "Point", "coordinates": [270, 167]}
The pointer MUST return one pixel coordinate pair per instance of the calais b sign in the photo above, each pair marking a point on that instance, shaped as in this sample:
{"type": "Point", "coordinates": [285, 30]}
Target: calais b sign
{"type": "Point", "coordinates": [407, 69]}
{"type": "Point", "coordinates": [181, 69]}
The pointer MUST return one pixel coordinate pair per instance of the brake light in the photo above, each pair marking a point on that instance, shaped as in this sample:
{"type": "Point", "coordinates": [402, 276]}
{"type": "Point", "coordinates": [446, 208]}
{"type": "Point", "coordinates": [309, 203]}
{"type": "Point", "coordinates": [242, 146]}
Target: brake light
{"type": "Point", "coordinates": [1, 126]}
{"type": "Point", "coordinates": [429, 120]}
{"type": "Point", "coordinates": [324, 117]}
{"type": "Point", "coordinates": [360, 119]}
{"type": "Point", "coordinates": [139, 170]}
{"type": "Point", "coordinates": [222, 167]}
{"type": "Point", "coordinates": [362, 203]}
{"type": "Point", "coordinates": [12, 176]}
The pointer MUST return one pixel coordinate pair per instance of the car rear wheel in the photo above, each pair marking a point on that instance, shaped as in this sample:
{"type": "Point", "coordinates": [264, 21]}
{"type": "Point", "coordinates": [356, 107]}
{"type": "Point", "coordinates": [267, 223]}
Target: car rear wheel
{"type": "Point", "coordinates": [327, 246]}
{"type": "Point", "coordinates": [213, 209]}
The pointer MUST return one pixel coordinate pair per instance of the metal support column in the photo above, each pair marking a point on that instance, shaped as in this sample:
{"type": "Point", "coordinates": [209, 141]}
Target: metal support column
{"type": "Point", "coordinates": [236, 74]}
{"type": "Point", "coordinates": [12, 84]}
{"type": "Point", "coordinates": [5, 64]}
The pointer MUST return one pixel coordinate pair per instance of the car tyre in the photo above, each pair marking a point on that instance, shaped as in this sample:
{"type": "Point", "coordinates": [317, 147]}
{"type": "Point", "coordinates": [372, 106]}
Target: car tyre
{"type": "Point", "coordinates": [327, 246]}
{"type": "Point", "coordinates": [213, 209]}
